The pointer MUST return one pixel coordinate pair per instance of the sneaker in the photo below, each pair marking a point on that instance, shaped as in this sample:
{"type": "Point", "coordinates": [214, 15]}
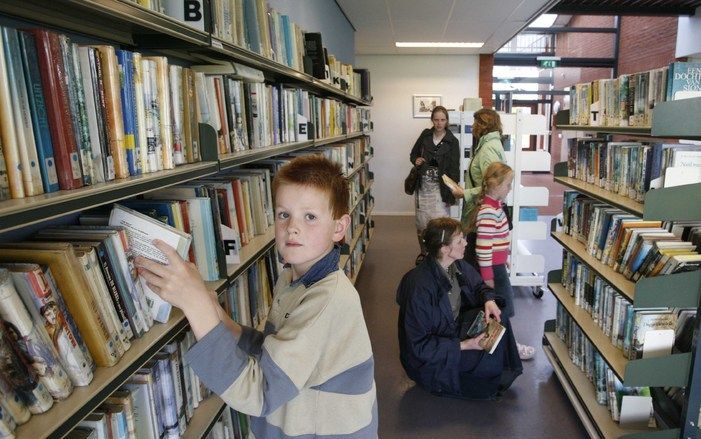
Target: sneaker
{"type": "Point", "coordinates": [525, 352]}
{"type": "Point", "coordinates": [420, 258]}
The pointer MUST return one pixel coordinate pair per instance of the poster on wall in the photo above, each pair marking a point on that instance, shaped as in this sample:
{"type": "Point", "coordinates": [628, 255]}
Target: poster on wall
{"type": "Point", "coordinates": [423, 104]}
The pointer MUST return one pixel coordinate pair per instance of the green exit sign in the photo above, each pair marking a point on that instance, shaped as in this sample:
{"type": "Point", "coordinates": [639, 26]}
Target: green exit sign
{"type": "Point", "coordinates": [548, 62]}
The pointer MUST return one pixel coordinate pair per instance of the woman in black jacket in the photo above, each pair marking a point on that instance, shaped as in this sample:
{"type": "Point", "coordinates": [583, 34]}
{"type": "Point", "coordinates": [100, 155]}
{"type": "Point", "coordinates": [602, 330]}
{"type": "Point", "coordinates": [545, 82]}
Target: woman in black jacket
{"type": "Point", "coordinates": [436, 152]}
{"type": "Point", "coordinates": [432, 298]}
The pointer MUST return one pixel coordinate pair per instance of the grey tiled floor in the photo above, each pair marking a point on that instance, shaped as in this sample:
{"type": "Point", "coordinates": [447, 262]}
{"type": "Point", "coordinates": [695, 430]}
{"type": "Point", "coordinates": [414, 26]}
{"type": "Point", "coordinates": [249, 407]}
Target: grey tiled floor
{"type": "Point", "coordinates": [535, 407]}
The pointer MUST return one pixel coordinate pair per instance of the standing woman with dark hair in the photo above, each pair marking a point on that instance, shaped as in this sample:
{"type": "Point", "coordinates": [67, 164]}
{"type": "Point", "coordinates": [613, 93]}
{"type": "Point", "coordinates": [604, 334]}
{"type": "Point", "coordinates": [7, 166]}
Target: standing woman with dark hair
{"type": "Point", "coordinates": [436, 152]}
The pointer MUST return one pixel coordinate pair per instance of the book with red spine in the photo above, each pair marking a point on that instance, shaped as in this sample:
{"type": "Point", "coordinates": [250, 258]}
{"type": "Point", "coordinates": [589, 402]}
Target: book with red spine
{"type": "Point", "coordinates": [52, 68]}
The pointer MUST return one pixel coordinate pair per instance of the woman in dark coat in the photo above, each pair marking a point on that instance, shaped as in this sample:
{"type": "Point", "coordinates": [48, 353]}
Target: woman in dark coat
{"type": "Point", "coordinates": [432, 298]}
{"type": "Point", "coordinates": [435, 152]}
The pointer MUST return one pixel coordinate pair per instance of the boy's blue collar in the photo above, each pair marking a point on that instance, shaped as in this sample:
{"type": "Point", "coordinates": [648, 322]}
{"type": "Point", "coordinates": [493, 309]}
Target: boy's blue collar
{"type": "Point", "coordinates": [321, 269]}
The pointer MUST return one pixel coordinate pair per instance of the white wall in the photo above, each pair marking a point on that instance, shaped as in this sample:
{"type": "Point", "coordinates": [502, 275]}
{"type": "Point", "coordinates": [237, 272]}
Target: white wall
{"type": "Point", "coordinates": [394, 79]}
{"type": "Point", "coordinates": [689, 35]}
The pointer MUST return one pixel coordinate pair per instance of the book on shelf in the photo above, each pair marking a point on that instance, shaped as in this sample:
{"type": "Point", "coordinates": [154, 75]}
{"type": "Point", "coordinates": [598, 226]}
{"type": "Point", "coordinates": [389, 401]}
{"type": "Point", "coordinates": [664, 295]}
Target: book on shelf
{"type": "Point", "coordinates": [646, 321]}
{"type": "Point", "coordinates": [21, 378]}
{"type": "Point", "coordinates": [31, 337]}
{"type": "Point", "coordinates": [116, 263]}
{"type": "Point", "coordinates": [70, 278]}
{"type": "Point", "coordinates": [82, 432]}
{"type": "Point", "coordinates": [683, 82]}
{"type": "Point", "coordinates": [43, 300]}
{"type": "Point", "coordinates": [98, 422]}
{"type": "Point", "coordinates": [142, 230]}
{"type": "Point", "coordinates": [24, 134]}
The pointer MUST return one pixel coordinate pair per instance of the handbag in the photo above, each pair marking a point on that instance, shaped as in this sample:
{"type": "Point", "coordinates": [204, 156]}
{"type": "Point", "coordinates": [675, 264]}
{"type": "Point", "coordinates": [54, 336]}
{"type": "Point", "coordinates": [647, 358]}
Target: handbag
{"type": "Point", "coordinates": [411, 181]}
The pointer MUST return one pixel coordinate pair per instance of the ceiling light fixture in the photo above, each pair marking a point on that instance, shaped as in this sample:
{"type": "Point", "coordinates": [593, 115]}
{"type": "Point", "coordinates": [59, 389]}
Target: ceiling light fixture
{"type": "Point", "coordinates": [426, 44]}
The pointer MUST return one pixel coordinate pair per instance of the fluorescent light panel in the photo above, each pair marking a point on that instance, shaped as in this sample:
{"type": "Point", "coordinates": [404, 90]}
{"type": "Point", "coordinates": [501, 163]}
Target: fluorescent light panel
{"type": "Point", "coordinates": [436, 44]}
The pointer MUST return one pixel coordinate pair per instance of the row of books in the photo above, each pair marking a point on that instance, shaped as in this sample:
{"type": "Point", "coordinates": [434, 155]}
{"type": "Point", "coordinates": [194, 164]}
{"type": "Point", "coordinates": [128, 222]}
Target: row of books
{"type": "Point", "coordinates": [44, 355]}
{"type": "Point", "coordinates": [357, 253]}
{"type": "Point", "coordinates": [627, 327]}
{"type": "Point", "coordinates": [255, 26]}
{"type": "Point", "coordinates": [633, 247]}
{"type": "Point", "coordinates": [78, 115]}
{"type": "Point", "coordinates": [609, 390]}
{"type": "Point", "coordinates": [157, 401]}
{"type": "Point", "coordinates": [144, 123]}
{"type": "Point", "coordinates": [631, 169]}
{"type": "Point", "coordinates": [629, 99]}
{"type": "Point", "coordinates": [249, 114]}
{"type": "Point", "coordinates": [249, 297]}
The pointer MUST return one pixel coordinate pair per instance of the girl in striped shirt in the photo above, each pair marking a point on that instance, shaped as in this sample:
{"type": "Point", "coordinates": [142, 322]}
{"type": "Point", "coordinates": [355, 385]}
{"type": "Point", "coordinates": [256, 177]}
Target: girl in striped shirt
{"type": "Point", "coordinates": [493, 239]}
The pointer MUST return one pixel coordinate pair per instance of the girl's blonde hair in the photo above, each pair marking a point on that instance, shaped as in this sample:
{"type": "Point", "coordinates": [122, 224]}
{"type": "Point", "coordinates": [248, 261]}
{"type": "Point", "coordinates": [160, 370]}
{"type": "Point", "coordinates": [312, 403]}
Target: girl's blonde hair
{"type": "Point", "coordinates": [495, 175]}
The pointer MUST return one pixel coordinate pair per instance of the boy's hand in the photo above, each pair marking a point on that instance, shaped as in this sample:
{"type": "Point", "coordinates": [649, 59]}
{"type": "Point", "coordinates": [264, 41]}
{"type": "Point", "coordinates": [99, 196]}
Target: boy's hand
{"type": "Point", "coordinates": [180, 284]}
{"type": "Point", "coordinates": [489, 283]}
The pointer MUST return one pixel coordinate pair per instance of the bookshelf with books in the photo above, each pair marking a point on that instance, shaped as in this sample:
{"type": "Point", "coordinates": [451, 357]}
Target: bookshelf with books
{"type": "Point", "coordinates": [590, 284]}
{"type": "Point", "coordinates": [131, 26]}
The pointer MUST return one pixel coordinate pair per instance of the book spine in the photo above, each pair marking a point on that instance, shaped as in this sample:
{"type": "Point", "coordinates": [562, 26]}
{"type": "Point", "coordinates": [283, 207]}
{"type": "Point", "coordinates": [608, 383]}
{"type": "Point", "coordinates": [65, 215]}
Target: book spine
{"type": "Point", "coordinates": [125, 61]}
{"type": "Point", "coordinates": [139, 103]}
{"type": "Point", "coordinates": [166, 124]}
{"type": "Point", "coordinates": [8, 137]}
{"type": "Point", "coordinates": [151, 116]}
{"type": "Point", "coordinates": [113, 110]}
{"type": "Point", "coordinates": [100, 113]}
{"type": "Point", "coordinates": [40, 123]}
{"type": "Point", "coordinates": [104, 307]}
{"type": "Point", "coordinates": [121, 327]}
{"type": "Point", "coordinates": [176, 100]}
{"type": "Point", "coordinates": [26, 145]}
{"type": "Point", "coordinates": [57, 109]}
{"type": "Point", "coordinates": [126, 321]}
{"type": "Point", "coordinates": [38, 295]}
{"type": "Point", "coordinates": [85, 64]}
{"type": "Point", "coordinates": [33, 339]}
{"type": "Point", "coordinates": [77, 102]}
{"type": "Point", "coordinates": [19, 374]}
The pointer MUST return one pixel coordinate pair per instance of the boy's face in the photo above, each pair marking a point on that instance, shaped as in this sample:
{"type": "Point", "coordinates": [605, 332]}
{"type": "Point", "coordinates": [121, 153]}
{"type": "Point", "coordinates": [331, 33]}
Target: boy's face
{"type": "Point", "coordinates": [305, 230]}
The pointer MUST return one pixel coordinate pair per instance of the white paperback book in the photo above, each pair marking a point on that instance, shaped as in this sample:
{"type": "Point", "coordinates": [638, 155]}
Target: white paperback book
{"type": "Point", "coordinates": [142, 230]}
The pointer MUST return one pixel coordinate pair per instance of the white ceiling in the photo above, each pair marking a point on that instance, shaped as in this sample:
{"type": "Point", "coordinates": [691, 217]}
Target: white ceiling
{"type": "Point", "coordinates": [380, 23]}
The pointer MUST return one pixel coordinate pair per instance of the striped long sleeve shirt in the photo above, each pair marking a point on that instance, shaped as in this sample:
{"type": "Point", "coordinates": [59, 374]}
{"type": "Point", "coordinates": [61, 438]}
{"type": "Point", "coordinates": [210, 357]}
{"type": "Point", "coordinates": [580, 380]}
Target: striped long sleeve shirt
{"type": "Point", "coordinates": [492, 236]}
{"type": "Point", "coordinates": [310, 374]}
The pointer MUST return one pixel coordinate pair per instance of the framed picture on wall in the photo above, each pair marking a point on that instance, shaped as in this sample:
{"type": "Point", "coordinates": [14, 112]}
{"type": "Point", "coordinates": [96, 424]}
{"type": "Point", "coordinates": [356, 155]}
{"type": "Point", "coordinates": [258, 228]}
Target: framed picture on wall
{"type": "Point", "coordinates": [423, 104]}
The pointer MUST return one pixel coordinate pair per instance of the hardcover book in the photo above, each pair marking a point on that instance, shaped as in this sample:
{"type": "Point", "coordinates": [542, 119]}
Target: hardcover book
{"type": "Point", "coordinates": [683, 80]}
{"type": "Point", "coordinates": [46, 306]}
{"type": "Point", "coordinates": [65, 267]}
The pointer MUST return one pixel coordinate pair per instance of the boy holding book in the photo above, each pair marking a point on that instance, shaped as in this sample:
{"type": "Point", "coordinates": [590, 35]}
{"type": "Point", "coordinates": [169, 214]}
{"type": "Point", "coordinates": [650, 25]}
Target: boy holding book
{"type": "Point", "coordinates": [310, 373]}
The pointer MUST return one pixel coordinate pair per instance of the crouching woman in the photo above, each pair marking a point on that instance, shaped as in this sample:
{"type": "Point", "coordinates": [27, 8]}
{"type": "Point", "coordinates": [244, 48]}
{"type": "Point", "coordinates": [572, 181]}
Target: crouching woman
{"type": "Point", "coordinates": [434, 299]}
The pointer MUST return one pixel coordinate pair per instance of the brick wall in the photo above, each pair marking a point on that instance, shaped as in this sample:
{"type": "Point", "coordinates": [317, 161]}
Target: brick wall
{"type": "Point", "coordinates": [646, 43]}
{"type": "Point", "coordinates": [485, 79]}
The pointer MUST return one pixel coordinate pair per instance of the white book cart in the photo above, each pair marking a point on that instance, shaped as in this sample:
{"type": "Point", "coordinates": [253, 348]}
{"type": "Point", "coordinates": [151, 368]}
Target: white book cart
{"type": "Point", "coordinates": [526, 269]}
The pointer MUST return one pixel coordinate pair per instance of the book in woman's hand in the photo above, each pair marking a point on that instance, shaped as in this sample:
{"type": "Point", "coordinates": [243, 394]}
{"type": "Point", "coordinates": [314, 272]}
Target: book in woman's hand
{"type": "Point", "coordinates": [492, 335]}
{"type": "Point", "coordinates": [451, 183]}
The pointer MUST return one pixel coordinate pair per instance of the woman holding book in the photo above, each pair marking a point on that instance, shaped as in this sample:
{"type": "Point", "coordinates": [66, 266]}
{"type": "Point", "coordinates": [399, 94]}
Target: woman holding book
{"type": "Point", "coordinates": [435, 153]}
{"type": "Point", "coordinates": [434, 300]}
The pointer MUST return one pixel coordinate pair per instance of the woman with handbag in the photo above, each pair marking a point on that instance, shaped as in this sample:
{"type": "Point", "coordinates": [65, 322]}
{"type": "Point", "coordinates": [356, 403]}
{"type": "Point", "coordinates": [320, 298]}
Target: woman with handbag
{"type": "Point", "coordinates": [435, 152]}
